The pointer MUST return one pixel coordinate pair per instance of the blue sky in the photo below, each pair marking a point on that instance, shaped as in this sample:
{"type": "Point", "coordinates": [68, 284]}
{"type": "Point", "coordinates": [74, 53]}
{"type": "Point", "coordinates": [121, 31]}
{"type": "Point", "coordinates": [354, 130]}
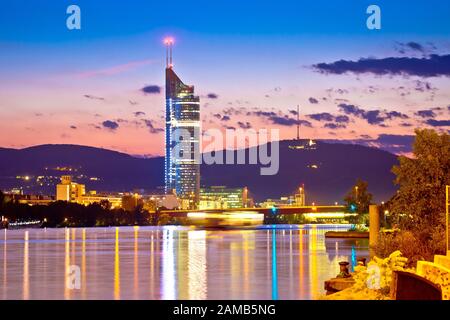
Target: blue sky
{"type": "Point", "coordinates": [255, 55]}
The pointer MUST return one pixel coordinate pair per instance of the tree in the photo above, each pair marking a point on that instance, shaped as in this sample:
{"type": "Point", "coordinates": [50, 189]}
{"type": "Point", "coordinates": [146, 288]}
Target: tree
{"type": "Point", "coordinates": [358, 198]}
{"type": "Point", "coordinates": [418, 208]}
{"type": "Point", "coordinates": [420, 200]}
{"type": "Point", "coordinates": [105, 204]}
{"type": "Point", "coordinates": [2, 199]}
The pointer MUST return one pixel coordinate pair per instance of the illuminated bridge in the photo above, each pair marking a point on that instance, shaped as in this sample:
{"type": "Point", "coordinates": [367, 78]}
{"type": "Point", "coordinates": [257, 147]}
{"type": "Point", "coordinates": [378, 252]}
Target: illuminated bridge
{"type": "Point", "coordinates": [319, 210]}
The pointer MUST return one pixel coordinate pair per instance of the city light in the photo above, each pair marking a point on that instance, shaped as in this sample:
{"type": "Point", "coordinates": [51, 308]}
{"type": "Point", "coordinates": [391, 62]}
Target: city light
{"type": "Point", "coordinates": [169, 40]}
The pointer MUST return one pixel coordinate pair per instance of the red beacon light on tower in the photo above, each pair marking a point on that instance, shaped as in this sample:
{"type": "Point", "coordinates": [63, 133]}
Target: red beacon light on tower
{"type": "Point", "coordinates": [168, 42]}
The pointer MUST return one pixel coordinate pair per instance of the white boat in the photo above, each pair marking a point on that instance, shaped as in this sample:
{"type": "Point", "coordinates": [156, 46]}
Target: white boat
{"type": "Point", "coordinates": [225, 219]}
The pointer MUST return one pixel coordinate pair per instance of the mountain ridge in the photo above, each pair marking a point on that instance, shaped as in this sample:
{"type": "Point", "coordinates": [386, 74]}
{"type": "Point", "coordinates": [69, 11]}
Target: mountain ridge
{"type": "Point", "coordinates": [328, 172]}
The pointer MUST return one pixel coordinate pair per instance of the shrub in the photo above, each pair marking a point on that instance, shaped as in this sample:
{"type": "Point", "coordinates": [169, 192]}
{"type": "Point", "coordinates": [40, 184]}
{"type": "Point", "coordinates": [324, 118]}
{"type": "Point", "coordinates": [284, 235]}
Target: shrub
{"type": "Point", "coordinates": [412, 245]}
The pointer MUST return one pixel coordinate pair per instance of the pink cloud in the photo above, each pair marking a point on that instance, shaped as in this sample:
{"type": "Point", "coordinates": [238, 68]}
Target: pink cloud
{"type": "Point", "coordinates": [121, 68]}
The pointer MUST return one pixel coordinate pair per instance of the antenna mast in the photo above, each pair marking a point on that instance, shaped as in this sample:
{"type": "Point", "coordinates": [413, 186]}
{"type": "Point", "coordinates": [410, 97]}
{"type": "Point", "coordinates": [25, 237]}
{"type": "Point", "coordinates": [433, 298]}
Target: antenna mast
{"type": "Point", "coordinates": [298, 122]}
{"type": "Point", "coordinates": [169, 43]}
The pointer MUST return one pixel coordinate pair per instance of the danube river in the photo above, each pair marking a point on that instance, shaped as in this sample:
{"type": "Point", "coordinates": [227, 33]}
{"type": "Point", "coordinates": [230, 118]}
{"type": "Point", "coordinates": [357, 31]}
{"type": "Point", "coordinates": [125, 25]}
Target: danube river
{"type": "Point", "coordinates": [289, 262]}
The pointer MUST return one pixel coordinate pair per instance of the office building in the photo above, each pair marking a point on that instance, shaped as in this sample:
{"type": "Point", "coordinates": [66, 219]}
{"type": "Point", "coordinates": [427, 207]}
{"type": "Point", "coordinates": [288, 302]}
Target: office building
{"type": "Point", "coordinates": [68, 190]}
{"type": "Point", "coordinates": [221, 197]}
{"type": "Point", "coordinates": [182, 155]}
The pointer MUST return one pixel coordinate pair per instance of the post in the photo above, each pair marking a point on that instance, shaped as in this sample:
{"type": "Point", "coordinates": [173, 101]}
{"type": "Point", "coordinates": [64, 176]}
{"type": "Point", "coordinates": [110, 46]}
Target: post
{"type": "Point", "coordinates": [374, 228]}
{"type": "Point", "coordinates": [447, 203]}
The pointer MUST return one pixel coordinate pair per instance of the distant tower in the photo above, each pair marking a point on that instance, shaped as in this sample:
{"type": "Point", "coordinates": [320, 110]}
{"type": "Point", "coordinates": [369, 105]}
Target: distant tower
{"type": "Point", "coordinates": [298, 122]}
{"type": "Point", "coordinates": [300, 199]}
{"type": "Point", "coordinates": [182, 175]}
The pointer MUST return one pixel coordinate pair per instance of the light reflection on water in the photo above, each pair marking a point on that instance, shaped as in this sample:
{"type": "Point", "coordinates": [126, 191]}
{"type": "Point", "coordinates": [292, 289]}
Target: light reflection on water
{"type": "Point", "coordinates": [173, 262]}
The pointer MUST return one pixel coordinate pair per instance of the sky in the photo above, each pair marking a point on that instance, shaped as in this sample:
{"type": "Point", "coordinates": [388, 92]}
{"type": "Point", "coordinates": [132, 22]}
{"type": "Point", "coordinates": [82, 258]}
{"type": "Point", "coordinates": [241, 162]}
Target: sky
{"type": "Point", "coordinates": [252, 63]}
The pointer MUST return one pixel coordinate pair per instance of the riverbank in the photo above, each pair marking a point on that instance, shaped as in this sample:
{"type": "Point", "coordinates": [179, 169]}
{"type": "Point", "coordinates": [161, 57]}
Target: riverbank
{"type": "Point", "coordinates": [347, 234]}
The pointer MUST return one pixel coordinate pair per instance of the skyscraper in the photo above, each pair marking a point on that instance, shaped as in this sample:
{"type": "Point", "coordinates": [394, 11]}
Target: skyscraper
{"type": "Point", "coordinates": [182, 161]}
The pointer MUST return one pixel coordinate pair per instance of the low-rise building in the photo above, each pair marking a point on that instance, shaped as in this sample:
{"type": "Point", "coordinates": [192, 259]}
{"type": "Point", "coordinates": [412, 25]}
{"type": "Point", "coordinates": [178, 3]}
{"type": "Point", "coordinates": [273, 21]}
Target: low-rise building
{"type": "Point", "coordinates": [68, 190]}
{"type": "Point", "coordinates": [221, 197]}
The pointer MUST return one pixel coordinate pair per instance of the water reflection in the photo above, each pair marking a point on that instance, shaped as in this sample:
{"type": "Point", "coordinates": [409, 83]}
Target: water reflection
{"type": "Point", "coordinates": [116, 267]}
{"type": "Point", "coordinates": [67, 264]}
{"type": "Point", "coordinates": [197, 265]}
{"type": "Point", "coordinates": [172, 263]}
{"type": "Point", "coordinates": [168, 271]}
{"type": "Point", "coordinates": [26, 274]}
{"type": "Point", "coordinates": [274, 266]}
{"type": "Point", "coordinates": [5, 264]}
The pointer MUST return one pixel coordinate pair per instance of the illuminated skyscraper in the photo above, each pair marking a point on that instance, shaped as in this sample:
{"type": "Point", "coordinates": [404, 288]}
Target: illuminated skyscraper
{"type": "Point", "coordinates": [182, 162]}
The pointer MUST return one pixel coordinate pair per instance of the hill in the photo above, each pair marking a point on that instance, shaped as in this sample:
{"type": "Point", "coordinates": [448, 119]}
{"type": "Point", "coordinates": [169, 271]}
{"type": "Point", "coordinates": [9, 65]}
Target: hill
{"type": "Point", "coordinates": [327, 171]}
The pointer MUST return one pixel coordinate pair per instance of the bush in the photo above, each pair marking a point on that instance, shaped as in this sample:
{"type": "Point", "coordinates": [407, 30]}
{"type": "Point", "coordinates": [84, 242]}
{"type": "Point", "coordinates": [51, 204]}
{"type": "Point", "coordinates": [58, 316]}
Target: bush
{"type": "Point", "coordinates": [412, 245]}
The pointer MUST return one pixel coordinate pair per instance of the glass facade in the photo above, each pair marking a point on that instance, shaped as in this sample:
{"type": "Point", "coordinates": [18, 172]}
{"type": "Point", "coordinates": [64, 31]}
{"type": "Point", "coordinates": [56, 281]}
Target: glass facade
{"type": "Point", "coordinates": [182, 158]}
{"type": "Point", "coordinates": [221, 197]}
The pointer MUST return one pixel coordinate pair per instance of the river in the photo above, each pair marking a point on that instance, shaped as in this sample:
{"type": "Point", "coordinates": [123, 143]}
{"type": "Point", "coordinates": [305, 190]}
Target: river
{"type": "Point", "coordinates": [286, 262]}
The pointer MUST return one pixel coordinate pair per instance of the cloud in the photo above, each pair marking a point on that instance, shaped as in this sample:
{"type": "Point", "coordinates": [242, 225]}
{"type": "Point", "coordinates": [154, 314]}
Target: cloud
{"type": "Point", "coordinates": [244, 125]}
{"type": "Point", "coordinates": [431, 66]}
{"type": "Point", "coordinates": [397, 144]}
{"type": "Point", "coordinates": [226, 118]}
{"type": "Point", "coordinates": [73, 127]}
{"type": "Point", "coordinates": [233, 111]}
{"type": "Point", "coordinates": [151, 126]}
{"type": "Point", "coordinates": [342, 119]}
{"type": "Point", "coordinates": [263, 113]}
{"type": "Point", "coordinates": [423, 86]}
{"type": "Point", "coordinates": [332, 125]}
{"type": "Point", "coordinates": [325, 116]}
{"type": "Point", "coordinates": [426, 113]}
{"type": "Point", "coordinates": [438, 123]}
{"type": "Point", "coordinates": [93, 97]}
{"type": "Point", "coordinates": [373, 117]}
{"type": "Point", "coordinates": [279, 118]}
{"type": "Point", "coordinates": [351, 109]}
{"type": "Point", "coordinates": [413, 47]}
{"type": "Point", "coordinates": [151, 89]}
{"type": "Point", "coordinates": [287, 121]}
{"type": "Point", "coordinates": [112, 125]}
{"type": "Point", "coordinates": [117, 69]}
{"type": "Point", "coordinates": [313, 100]}
{"type": "Point", "coordinates": [139, 113]}
{"type": "Point", "coordinates": [212, 96]}
{"type": "Point", "coordinates": [333, 122]}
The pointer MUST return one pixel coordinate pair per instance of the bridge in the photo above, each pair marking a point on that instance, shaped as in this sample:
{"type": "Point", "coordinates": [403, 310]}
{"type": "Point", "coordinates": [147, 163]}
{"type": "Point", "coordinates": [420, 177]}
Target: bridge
{"type": "Point", "coordinates": [266, 211]}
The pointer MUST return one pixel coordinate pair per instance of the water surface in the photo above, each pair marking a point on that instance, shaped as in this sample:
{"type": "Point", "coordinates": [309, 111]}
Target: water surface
{"type": "Point", "coordinates": [287, 262]}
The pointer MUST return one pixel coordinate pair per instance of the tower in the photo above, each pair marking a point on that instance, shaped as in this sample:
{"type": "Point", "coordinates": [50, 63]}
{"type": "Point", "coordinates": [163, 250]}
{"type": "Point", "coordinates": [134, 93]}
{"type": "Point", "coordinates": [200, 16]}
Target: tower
{"type": "Point", "coordinates": [182, 138]}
